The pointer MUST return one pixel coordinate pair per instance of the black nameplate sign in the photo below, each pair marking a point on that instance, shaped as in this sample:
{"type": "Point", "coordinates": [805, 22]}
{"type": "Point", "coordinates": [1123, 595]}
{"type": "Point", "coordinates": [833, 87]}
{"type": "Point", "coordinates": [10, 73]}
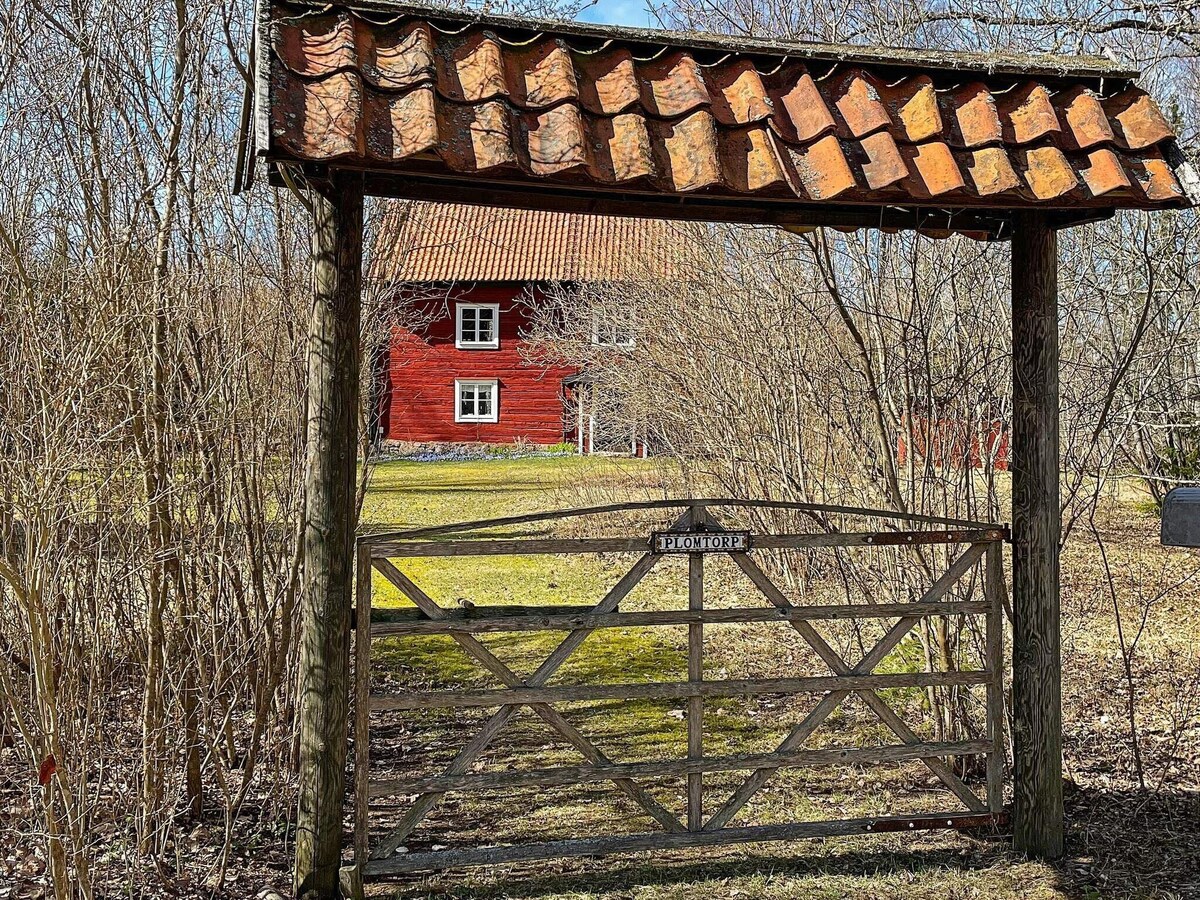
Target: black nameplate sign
{"type": "Point", "coordinates": [700, 541]}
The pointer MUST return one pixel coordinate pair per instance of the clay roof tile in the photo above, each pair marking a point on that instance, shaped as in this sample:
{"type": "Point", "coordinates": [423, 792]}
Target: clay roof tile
{"type": "Point", "coordinates": [557, 139]}
{"type": "Point", "coordinates": [476, 137]}
{"type": "Point", "coordinates": [821, 168]}
{"type": "Point", "coordinates": [748, 160]}
{"type": "Point", "coordinates": [1155, 178]}
{"type": "Point", "coordinates": [856, 96]}
{"type": "Point", "coordinates": [687, 153]}
{"type": "Point", "coordinates": [608, 82]}
{"type": "Point", "coordinates": [622, 149]}
{"type": "Point", "coordinates": [914, 106]}
{"type": "Point", "coordinates": [1027, 114]}
{"type": "Point", "coordinates": [541, 76]}
{"type": "Point", "coordinates": [1103, 172]}
{"type": "Point", "coordinates": [471, 69]}
{"type": "Point", "coordinates": [396, 58]}
{"type": "Point", "coordinates": [883, 165]}
{"type": "Point", "coordinates": [1087, 123]}
{"type": "Point", "coordinates": [990, 171]}
{"type": "Point", "coordinates": [401, 125]}
{"type": "Point", "coordinates": [672, 86]}
{"type": "Point", "coordinates": [1048, 172]}
{"type": "Point", "coordinates": [1137, 120]}
{"type": "Point", "coordinates": [974, 117]}
{"type": "Point", "coordinates": [932, 169]}
{"type": "Point", "coordinates": [738, 94]}
{"type": "Point", "coordinates": [801, 113]}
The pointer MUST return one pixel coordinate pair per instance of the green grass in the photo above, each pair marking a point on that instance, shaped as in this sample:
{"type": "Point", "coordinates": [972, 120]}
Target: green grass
{"type": "Point", "coordinates": [412, 494]}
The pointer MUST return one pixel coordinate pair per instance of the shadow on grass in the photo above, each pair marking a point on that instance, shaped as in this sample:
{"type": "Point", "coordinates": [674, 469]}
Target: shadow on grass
{"type": "Point", "coordinates": [831, 873]}
{"type": "Point", "coordinates": [1131, 844]}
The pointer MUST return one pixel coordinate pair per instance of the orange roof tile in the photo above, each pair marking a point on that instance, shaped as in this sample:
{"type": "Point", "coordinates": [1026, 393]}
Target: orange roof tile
{"type": "Point", "coordinates": [408, 91]}
{"type": "Point", "coordinates": [441, 242]}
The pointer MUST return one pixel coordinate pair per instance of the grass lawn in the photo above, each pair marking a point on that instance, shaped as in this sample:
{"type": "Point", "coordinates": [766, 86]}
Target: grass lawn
{"type": "Point", "coordinates": [942, 865]}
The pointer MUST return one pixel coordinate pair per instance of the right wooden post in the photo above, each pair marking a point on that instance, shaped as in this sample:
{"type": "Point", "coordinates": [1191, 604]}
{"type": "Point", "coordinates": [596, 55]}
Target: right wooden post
{"type": "Point", "coordinates": [1036, 527]}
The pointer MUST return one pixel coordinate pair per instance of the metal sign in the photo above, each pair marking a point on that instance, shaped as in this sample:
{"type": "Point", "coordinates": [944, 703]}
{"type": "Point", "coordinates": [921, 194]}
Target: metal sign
{"type": "Point", "coordinates": [1181, 518]}
{"type": "Point", "coordinates": [700, 541]}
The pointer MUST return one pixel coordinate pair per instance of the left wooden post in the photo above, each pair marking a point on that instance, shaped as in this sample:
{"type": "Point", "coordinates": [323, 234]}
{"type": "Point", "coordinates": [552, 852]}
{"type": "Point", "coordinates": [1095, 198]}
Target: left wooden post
{"type": "Point", "coordinates": [329, 526]}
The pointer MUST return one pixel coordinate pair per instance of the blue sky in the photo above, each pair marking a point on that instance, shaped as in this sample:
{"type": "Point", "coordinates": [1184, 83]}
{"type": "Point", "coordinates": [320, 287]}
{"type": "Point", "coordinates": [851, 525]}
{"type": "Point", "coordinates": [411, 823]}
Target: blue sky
{"type": "Point", "coordinates": [617, 12]}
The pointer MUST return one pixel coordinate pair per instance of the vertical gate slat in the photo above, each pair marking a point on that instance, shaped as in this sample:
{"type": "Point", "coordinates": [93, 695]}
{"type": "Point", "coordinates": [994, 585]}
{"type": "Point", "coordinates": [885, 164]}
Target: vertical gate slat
{"type": "Point", "coordinates": [994, 591]}
{"type": "Point", "coordinates": [695, 715]}
{"type": "Point", "coordinates": [362, 703]}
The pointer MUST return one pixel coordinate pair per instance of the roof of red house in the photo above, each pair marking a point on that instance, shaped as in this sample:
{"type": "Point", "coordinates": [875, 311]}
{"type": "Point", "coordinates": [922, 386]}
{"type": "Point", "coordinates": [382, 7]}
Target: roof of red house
{"type": "Point", "coordinates": [452, 242]}
{"type": "Point", "coordinates": [404, 89]}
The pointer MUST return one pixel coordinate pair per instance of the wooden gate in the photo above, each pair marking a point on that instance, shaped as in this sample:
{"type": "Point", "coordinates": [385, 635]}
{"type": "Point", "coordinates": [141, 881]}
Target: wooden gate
{"type": "Point", "coordinates": [697, 532]}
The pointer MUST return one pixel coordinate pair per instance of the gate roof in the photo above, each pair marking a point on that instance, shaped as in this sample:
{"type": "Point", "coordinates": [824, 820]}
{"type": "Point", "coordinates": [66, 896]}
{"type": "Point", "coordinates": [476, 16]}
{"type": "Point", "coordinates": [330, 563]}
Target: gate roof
{"type": "Point", "coordinates": [520, 112]}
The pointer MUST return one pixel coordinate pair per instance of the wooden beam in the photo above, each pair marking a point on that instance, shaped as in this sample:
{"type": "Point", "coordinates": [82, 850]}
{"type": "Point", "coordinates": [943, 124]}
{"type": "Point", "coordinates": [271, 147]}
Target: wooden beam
{"type": "Point", "coordinates": [384, 549]}
{"type": "Point", "coordinates": [984, 222]}
{"type": "Point", "coordinates": [817, 510]}
{"type": "Point", "coordinates": [329, 481]}
{"type": "Point", "coordinates": [564, 776]}
{"type": "Point", "coordinates": [362, 706]}
{"type": "Point", "coordinates": [479, 620]}
{"type": "Point", "coordinates": [1037, 522]}
{"type": "Point", "coordinates": [665, 690]}
{"type": "Point", "coordinates": [634, 843]}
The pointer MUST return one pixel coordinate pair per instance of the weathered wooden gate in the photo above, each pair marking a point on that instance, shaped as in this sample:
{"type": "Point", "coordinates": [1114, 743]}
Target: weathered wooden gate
{"type": "Point", "coordinates": [696, 533]}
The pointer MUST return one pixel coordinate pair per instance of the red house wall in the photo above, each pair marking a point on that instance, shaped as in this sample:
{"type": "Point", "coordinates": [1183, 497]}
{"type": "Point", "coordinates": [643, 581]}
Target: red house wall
{"type": "Point", "coordinates": [418, 396]}
{"type": "Point", "coordinates": [955, 443]}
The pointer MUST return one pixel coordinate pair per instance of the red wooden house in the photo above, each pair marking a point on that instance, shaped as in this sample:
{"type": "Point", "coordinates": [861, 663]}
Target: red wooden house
{"type": "Point", "coordinates": [468, 280]}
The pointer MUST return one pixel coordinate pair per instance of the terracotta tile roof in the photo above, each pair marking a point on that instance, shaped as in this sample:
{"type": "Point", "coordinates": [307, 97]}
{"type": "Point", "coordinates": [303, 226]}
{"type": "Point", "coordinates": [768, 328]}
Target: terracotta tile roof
{"type": "Point", "coordinates": [407, 91]}
{"type": "Point", "coordinates": [452, 242]}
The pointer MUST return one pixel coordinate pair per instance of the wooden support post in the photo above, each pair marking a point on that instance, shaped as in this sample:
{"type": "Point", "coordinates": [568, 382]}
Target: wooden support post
{"type": "Point", "coordinates": [329, 482]}
{"type": "Point", "coordinates": [579, 417]}
{"type": "Point", "coordinates": [1037, 523]}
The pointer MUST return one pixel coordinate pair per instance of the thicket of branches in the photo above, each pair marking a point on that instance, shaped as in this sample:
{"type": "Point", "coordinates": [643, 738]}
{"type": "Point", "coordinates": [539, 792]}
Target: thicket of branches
{"type": "Point", "coordinates": [150, 352]}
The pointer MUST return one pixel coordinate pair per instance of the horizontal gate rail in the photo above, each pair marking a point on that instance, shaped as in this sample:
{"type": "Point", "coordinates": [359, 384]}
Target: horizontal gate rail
{"type": "Point", "coordinates": [389, 549]}
{"type": "Point", "coordinates": [813, 509]}
{"type": "Point", "coordinates": [562, 776]}
{"type": "Point", "coordinates": [550, 618]}
{"type": "Point", "coordinates": [979, 543]}
{"type": "Point", "coordinates": [603, 846]}
{"type": "Point", "coordinates": [749, 687]}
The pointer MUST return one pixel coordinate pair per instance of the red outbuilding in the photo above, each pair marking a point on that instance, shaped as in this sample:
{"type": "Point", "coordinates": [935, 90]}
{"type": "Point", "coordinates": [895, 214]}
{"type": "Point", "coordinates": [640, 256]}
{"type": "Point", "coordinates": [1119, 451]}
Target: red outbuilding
{"type": "Point", "coordinates": [466, 283]}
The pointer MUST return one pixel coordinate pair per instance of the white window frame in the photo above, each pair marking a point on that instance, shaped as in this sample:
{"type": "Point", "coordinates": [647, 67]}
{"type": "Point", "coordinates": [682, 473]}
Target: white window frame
{"type": "Point", "coordinates": [460, 383]}
{"type": "Point", "coordinates": [493, 344]}
{"type": "Point", "coordinates": [599, 339]}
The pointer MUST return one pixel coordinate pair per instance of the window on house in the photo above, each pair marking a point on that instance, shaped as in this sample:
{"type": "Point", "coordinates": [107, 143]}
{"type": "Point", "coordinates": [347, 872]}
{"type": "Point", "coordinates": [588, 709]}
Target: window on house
{"type": "Point", "coordinates": [478, 326]}
{"type": "Point", "coordinates": [613, 328]}
{"type": "Point", "coordinates": [476, 401]}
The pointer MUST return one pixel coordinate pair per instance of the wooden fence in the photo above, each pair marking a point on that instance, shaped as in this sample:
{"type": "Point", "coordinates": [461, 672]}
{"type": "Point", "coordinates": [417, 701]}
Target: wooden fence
{"type": "Point", "coordinates": [982, 547]}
